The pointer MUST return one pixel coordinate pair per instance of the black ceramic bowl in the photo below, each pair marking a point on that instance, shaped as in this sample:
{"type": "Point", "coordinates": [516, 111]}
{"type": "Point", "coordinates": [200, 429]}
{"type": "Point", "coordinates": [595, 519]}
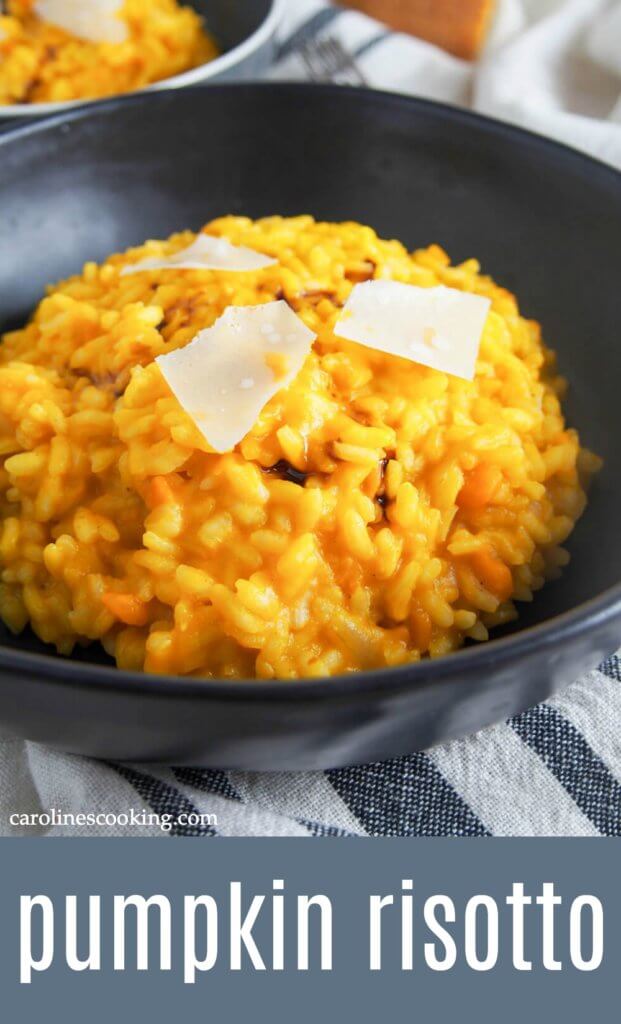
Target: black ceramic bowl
{"type": "Point", "coordinates": [542, 219]}
{"type": "Point", "coordinates": [244, 31]}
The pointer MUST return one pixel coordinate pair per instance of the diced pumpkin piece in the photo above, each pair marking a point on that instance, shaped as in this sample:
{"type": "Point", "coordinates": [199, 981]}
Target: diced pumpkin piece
{"type": "Point", "coordinates": [480, 486]}
{"type": "Point", "coordinates": [420, 629]}
{"type": "Point", "coordinates": [160, 492]}
{"type": "Point", "coordinates": [126, 608]}
{"type": "Point", "coordinates": [494, 575]}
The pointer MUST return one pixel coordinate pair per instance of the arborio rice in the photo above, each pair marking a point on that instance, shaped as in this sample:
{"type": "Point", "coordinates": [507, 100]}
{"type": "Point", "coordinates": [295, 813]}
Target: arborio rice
{"type": "Point", "coordinates": [41, 63]}
{"type": "Point", "coordinates": [377, 512]}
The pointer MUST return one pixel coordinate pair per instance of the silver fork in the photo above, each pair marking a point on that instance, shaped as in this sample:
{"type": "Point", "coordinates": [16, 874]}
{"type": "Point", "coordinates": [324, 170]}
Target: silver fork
{"type": "Point", "coordinates": [326, 60]}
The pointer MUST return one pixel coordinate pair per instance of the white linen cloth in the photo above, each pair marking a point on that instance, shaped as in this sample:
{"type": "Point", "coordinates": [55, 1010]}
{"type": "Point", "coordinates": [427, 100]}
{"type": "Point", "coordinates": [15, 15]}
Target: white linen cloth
{"type": "Point", "coordinates": [553, 66]}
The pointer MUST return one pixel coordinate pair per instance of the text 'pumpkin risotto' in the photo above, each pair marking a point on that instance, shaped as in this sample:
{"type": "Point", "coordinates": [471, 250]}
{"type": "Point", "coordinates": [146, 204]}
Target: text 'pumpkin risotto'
{"type": "Point", "coordinates": [377, 511]}
{"type": "Point", "coordinates": [41, 62]}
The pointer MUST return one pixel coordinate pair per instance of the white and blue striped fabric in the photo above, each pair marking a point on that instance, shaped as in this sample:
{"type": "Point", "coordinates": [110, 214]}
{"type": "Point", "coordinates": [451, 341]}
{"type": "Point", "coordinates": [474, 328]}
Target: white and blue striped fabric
{"type": "Point", "coordinates": [554, 770]}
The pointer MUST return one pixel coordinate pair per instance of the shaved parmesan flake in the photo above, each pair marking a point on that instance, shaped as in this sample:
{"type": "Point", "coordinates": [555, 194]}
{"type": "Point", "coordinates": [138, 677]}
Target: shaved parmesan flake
{"type": "Point", "coordinates": [94, 20]}
{"type": "Point", "coordinates": [438, 327]}
{"type": "Point", "coordinates": [223, 378]}
{"type": "Point", "coordinates": [207, 253]}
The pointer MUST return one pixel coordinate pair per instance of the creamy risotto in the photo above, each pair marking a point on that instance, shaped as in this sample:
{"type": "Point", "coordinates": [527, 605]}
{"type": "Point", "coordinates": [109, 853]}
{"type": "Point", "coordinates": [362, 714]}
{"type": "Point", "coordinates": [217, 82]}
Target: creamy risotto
{"type": "Point", "coordinates": [378, 511]}
{"type": "Point", "coordinates": [42, 62]}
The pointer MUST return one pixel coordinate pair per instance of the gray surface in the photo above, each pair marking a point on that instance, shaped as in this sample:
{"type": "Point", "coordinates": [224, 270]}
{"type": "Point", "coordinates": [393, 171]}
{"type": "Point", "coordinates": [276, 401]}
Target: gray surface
{"type": "Point", "coordinates": [348, 873]}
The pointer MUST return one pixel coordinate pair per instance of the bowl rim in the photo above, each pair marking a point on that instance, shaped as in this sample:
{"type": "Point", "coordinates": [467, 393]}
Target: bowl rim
{"type": "Point", "coordinates": [569, 625]}
{"type": "Point", "coordinates": [202, 73]}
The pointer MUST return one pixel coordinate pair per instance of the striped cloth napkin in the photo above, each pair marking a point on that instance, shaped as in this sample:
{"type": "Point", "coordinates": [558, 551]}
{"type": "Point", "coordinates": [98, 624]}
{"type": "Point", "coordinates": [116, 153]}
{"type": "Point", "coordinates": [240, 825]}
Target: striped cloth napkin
{"type": "Point", "coordinates": [554, 770]}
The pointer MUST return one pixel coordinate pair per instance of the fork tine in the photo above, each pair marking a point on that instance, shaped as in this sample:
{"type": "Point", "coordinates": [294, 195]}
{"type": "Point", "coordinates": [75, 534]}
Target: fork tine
{"type": "Point", "coordinates": [345, 61]}
{"type": "Point", "coordinates": [318, 64]}
{"type": "Point", "coordinates": [326, 60]}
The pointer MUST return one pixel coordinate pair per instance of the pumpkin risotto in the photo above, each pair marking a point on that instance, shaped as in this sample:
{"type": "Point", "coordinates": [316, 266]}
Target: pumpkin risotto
{"type": "Point", "coordinates": [40, 62]}
{"type": "Point", "coordinates": [378, 511]}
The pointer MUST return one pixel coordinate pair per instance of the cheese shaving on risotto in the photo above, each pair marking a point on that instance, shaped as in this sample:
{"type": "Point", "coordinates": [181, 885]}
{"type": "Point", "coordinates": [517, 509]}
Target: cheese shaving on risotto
{"type": "Point", "coordinates": [438, 327]}
{"type": "Point", "coordinates": [228, 372]}
{"type": "Point", "coordinates": [95, 20]}
{"type": "Point", "coordinates": [206, 252]}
